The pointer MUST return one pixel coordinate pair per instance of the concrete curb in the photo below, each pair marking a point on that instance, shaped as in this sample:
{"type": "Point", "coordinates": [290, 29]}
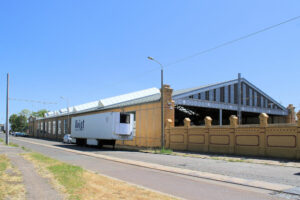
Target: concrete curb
{"type": "Point", "coordinates": [216, 177]}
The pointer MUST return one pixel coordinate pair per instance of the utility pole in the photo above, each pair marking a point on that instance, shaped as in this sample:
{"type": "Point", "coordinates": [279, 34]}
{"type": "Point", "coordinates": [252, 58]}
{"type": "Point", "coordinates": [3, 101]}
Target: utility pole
{"type": "Point", "coordinates": [7, 105]}
{"type": "Point", "coordinates": [162, 102]}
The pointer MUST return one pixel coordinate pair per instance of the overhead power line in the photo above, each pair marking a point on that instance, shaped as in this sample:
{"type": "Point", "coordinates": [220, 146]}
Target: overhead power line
{"type": "Point", "coordinates": [208, 50]}
{"type": "Point", "coordinates": [234, 40]}
{"type": "Point", "coordinates": [32, 101]}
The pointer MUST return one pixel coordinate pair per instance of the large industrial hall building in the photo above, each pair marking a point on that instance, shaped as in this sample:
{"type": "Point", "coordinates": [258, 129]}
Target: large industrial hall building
{"type": "Point", "coordinates": [219, 101]}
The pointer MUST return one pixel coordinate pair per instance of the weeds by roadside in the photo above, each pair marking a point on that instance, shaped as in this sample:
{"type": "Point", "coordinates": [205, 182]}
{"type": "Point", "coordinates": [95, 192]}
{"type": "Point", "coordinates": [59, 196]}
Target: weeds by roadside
{"type": "Point", "coordinates": [11, 186]}
{"type": "Point", "coordinates": [81, 184]}
{"type": "Point", "coordinates": [165, 151]}
{"type": "Point", "coordinates": [13, 145]}
{"type": "Point", "coordinates": [158, 151]}
{"type": "Point", "coordinates": [10, 144]}
{"type": "Point", "coordinates": [25, 149]}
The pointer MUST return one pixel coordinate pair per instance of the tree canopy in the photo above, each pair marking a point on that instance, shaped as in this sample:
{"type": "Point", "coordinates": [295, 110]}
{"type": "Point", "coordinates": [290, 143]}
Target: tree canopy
{"type": "Point", "coordinates": [19, 122]}
{"type": "Point", "coordinates": [39, 113]}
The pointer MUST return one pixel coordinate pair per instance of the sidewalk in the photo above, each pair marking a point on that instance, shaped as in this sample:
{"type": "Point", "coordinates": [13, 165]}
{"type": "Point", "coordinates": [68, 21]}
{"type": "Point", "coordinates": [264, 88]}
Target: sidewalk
{"type": "Point", "coordinates": [37, 187]}
{"type": "Point", "coordinates": [235, 158]}
{"type": "Point", "coordinates": [275, 171]}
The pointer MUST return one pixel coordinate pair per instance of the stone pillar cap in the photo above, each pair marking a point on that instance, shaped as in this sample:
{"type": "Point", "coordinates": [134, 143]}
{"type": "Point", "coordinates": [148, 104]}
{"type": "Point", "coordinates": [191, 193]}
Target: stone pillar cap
{"type": "Point", "coordinates": [208, 118]}
{"type": "Point", "coordinates": [187, 121]}
{"type": "Point", "coordinates": [263, 115]}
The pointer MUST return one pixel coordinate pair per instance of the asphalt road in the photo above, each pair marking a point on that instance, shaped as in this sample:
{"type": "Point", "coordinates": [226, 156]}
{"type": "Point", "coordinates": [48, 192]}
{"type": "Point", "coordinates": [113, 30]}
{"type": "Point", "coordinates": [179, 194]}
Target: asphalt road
{"type": "Point", "coordinates": [262, 172]}
{"type": "Point", "coordinates": [173, 184]}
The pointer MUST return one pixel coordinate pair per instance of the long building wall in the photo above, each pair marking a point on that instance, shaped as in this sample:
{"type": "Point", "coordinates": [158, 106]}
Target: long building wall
{"type": "Point", "coordinates": [147, 115]}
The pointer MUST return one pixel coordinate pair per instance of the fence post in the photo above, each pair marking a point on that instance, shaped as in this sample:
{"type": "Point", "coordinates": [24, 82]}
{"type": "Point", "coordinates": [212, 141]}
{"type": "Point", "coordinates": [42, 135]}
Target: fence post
{"type": "Point", "coordinates": [187, 124]}
{"type": "Point", "coordinates": [207, 121]}
{"type": "Point", "coordinates": [263, 144]}
{"type": "Point", "coordinates": [233, 125]}
{"type": "Point", "coordinates": [263, 120]}
{"type": "Point", "coordinates": [233, 121]}
{"type": "Point", "coordinates": [298, 136]}
{"type": "Point", "coordinates": [168, 133]}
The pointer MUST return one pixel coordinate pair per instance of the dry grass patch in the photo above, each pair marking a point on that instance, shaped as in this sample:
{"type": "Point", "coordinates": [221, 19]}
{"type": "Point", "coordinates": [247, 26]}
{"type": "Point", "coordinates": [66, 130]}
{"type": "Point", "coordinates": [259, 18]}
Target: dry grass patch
{"type": "Point", "coordinates": [81, 184]}
{"type": "Point", "coordinates": [11, 182]}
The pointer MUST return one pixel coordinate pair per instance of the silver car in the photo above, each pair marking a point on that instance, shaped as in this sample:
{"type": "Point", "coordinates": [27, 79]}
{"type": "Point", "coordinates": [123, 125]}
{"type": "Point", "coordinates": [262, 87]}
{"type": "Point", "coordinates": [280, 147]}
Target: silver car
{"type": "Point", "coordinates": [67, 139]}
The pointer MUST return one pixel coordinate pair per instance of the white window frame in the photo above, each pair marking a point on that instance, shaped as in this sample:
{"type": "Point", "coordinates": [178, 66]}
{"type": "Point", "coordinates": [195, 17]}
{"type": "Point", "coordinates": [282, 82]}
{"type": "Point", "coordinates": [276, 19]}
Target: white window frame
{"type": "Point", "coordinates": [59, 127]}
{"type": "Point", "coordinates": [46, 127]}
{"type": "Point", "coordinates": [54, 127]}
{"type": "Point", "coordinates": [49, 127]}
{"type": "Point", "coordinates": [65, 126]}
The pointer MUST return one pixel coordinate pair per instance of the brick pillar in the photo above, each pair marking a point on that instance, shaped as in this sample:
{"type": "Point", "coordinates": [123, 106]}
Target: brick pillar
{"type": "Point", "coordinates": [233, 121]}
{"type": "Point", "coordinates": [169, 110]}
{"type": "Point", "coordinates": [263, 121]}
{"type": "Point", "coordinates": [187, 124]}
{"type": "Point", "coordinates": [168, 133]}
{"type": "Point", "coordinates": [291, 117]}
{"type": "Point", "coordinates": [233, 125]}
{"type": "Point", "coordinates": [207, 121]}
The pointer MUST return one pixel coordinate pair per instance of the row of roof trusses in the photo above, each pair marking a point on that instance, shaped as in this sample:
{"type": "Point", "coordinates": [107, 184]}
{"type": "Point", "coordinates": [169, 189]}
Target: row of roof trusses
{"type": "Point", "coordinates": [183, 98]}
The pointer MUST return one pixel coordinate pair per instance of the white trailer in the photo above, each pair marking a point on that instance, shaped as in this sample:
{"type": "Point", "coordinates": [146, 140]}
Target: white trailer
{"type": "Point", "coordinates": [101, 129]}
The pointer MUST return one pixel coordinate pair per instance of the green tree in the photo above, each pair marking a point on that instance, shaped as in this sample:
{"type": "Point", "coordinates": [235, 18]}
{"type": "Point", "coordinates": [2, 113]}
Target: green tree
{"type": "Point", "coordinates": [25, 112]}
{"type": "Point", "coordinates": [21, 123]}
{"type": "Point", "coordinates": [18, 122]}
{"type": "Point", "coordinates": [40, 113]}
{"type": "Point", "coordinates": [12, 121]}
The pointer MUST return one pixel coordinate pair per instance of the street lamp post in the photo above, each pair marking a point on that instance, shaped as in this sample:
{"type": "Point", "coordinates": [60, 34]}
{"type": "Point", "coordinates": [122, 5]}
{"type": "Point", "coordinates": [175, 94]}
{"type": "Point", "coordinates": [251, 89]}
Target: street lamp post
{"type": "Point", "coordinates": [162, 102]}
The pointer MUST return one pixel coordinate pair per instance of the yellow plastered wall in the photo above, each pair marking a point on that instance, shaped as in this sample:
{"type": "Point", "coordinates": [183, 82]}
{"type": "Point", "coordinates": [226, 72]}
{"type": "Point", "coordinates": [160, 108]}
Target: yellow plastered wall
{"type": "Point", "coordinates": [276, 140]}
{"type": "Point", "coordinates": [148, 124]}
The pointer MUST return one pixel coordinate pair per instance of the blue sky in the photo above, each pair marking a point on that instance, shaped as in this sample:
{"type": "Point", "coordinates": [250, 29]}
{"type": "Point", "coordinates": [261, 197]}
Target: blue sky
{"type": "Point", "coordinates": [88, 50]}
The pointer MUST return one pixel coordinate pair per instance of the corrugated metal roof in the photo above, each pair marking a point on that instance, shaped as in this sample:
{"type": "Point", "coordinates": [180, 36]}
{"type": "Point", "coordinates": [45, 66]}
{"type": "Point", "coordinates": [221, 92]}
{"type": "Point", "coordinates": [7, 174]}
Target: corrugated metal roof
{"type": "Point", "coordinates": [139, 97]}
{"type": "Point", "coordinates": [143, 96]}
{"type": "Point", "coordinates": [183, 91]}
{"type": "Point", "coordinates": [128, 97]}
{"type": "Point", "coordinates": [147, 99]}
{"type": "Point", "coordinates": [87, 106]}
{"type": "Point", "coordinates": [133, 98]}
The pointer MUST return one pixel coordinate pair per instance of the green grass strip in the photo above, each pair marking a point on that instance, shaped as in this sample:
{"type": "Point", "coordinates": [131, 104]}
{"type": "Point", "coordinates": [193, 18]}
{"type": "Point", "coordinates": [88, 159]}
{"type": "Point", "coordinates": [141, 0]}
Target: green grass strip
{"type": "Point", "coordinates": [13, 145]}
{"type": "Point", "coordinates": [3, 163]}
{"type": "Point", "coordinates": [67, 175]}
{"type": "Point", "coordinates": [42, 158]}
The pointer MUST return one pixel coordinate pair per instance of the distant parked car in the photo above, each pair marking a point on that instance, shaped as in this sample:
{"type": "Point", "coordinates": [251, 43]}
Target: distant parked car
{"type": "Point", "coordinates": [20, 134]}
{"type": "Point", "coordinates": [17, 134]}
{"type": "Point", "coordinates": [67, 139]}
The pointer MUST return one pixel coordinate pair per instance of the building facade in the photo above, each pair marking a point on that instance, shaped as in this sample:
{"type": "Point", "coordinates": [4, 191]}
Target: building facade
{"type": "Point", "coordinates": [220, 101]}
